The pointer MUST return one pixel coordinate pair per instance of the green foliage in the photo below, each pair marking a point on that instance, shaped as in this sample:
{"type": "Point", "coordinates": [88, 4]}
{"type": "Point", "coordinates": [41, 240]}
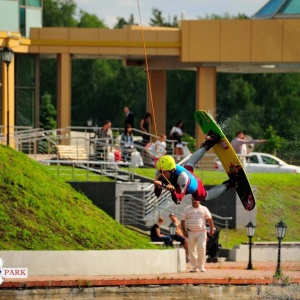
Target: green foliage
{"type": "Point", "coordinates": [89, 21]}
{"type": "Point", "coordinates": [274, 142]}
{"type": "Point", "coordinates": [110, 87]}
{"type": "Point", "coordinates": [181, 93]}
{"type": "Point", "coordinates": [254, 102]}
{"type": "Point", "coordinates": [47, 113]}
{"type": "Point", "coordinates": [225, 16]}
{"type": "Point", "coordinates": [191, 141]}
{"type": "Point", "coordinates": [122, 22]}
{"type": "Point", "coordinates": [59, 13]}
{"type": "Point", "coordinates": [159, 20]}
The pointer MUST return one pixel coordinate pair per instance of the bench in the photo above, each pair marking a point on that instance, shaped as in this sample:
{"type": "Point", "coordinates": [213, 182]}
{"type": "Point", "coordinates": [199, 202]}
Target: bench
{"type": "Point", "coordinates": [175, 243]}
{"type": "Point", "coordinates": [157, 243]}
{"type": "Point", "coordinates": [69, 152]}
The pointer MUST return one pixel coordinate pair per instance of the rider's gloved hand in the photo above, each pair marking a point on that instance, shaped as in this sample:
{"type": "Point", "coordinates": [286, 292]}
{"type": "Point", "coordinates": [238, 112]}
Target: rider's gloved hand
{"type": "Point", "coordinates": [231, 184]}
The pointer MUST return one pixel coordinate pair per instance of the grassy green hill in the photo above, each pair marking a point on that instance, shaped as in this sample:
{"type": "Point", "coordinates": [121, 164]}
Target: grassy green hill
{"type": "Point", "coordinates": [39, 211]}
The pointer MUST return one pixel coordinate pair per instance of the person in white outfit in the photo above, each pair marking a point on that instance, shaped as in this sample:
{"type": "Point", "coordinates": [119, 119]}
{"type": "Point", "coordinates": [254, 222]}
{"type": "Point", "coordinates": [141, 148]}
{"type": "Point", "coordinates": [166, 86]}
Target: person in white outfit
{"type": "Point", "coordinates": [160, 146]}
{"type": "Point", "coordinates": [176, 133]}
{"type": "Point", "coordinates": [193, 224]}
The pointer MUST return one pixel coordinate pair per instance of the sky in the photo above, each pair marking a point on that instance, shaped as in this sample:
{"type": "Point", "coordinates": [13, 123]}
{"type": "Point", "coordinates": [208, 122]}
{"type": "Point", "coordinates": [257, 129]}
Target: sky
{"type": "Point", "coordinates": [109, 10]}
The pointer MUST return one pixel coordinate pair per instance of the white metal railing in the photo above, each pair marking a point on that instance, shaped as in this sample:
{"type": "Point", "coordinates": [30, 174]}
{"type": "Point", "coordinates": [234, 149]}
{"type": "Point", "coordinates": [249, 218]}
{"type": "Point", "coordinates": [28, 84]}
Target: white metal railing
{"type": "Point", "coordinates": [13, 130]}
{"type": "Point", "coordinates": [139, 207]}
{"type": "Point", "coordinates": [37, 141]}
{"type": "Point", "coordinates": [108, 169]}
{"type": "Point", "coordinates": [142, 209]}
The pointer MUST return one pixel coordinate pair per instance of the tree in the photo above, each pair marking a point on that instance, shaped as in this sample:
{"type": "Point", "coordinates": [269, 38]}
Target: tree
{"type": "Point", "coordinates": [274, 141]}
{"type": "Point", "coordinates": [89, 21]}
{"type": "Point", "coordinates": [181, 93]}
{"type": "Point", "coordinates": [122, 22]}
{"type": "Point", "coordinates": [110, 87]}
{"type": "Point", "coordinates": [56, 13]}
{"type": "Point", "coordinates": [159, 20]}
{"type": "Point", "coordinates": [47, 113]}
{"type": "Point", "coordinates": [226, 16]}
{"type": "Point", "coordinates": [59, 13]}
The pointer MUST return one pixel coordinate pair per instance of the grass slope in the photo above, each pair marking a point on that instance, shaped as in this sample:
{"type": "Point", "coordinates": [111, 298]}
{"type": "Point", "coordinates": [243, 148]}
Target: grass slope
{"type": "Point", "coordinates": [39, 211]}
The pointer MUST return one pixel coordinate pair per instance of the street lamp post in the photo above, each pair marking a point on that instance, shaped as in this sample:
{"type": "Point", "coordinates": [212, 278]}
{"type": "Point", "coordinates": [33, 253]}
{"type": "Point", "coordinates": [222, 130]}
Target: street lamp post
{"type": "Point", "coordinates": [7, 56]}
{"type": "Point", "coordinates": [250, 233]}
{"type": "Point", "coordinates": [280, 233]}
{"type": "Point", "coordinates": [172, 229]}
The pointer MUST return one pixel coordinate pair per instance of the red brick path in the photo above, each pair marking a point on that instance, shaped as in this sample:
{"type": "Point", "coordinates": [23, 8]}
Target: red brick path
{"type": "Point", "coordinates": [234, 273]}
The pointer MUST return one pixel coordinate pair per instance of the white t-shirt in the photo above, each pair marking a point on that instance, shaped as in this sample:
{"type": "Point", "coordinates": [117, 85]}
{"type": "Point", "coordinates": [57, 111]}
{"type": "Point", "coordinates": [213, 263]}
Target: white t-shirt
{"type": "Point", "coordinates": [179, 133]}
{"type": "Point", "coordinates": [176, 130]}
{"type": "Point", "coordinates": [160, 148]}
{"type": "Point", "coordinates": [195, 218]}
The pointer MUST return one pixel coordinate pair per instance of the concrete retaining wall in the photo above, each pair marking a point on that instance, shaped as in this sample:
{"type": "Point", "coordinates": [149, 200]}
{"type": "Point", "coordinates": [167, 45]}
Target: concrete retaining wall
{"type": "Point", "coordinates": [102, 262]}
{"type": "Point", "coordinates": [266, 252]}
{"type": "Point", "coordinates": [169, 292]}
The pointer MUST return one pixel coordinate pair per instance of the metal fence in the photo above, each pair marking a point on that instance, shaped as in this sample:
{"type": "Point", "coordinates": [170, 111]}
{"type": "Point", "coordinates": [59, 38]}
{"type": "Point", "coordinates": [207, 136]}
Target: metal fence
{"type": "Point", "coordinates": [37, 142]}
{"type": "Point", "coordinates": [142, 209]}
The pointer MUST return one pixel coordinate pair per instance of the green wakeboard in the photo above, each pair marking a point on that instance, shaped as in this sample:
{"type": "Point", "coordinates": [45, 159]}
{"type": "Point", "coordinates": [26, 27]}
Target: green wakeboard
{"type": "Point", "coordinates": [229, 159]}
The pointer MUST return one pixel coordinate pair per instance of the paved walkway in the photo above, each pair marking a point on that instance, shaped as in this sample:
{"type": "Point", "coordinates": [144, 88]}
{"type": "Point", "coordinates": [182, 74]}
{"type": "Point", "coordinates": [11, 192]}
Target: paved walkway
{"type": "Point", "coordinates": [234, 273]}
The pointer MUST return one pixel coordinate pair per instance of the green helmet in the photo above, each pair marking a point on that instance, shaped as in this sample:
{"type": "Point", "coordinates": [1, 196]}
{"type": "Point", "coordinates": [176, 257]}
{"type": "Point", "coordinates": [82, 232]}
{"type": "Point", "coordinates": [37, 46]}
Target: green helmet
{"type": "Point", "coordinates": [166, 163]}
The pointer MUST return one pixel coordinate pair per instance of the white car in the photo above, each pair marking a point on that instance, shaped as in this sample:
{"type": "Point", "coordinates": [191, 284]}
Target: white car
{"type": "Point", "coordinates": [263, 163]}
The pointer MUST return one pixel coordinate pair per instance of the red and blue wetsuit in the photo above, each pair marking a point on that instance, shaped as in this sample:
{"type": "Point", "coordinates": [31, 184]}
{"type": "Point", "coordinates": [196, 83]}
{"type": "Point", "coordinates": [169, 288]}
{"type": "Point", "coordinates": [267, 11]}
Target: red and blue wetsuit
{"type": "Point", "coordinates": [185, 182]}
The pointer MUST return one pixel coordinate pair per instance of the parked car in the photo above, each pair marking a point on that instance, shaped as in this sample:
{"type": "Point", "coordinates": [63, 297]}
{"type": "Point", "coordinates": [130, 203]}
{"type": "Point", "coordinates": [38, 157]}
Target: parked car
{"type": "Point", "coordinates": [263, 163]}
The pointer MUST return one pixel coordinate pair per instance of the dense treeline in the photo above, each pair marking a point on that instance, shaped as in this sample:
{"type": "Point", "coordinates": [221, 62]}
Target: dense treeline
{"type": "Point", "coordinates": [263, 105]}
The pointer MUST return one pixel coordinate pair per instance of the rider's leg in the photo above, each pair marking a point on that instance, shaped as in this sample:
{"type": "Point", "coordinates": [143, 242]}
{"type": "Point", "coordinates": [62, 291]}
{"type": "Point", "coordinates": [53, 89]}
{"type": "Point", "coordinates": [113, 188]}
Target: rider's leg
{"type": "Point", "coordinates": [195, 157]}
{"type": "Point", "coordinates": [215, 191]}
{"type": "Point", "coordinates": [211, 139]}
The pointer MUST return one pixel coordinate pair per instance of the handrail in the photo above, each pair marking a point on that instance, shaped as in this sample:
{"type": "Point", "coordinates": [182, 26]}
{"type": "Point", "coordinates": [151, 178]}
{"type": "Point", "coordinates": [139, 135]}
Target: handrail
{"type": "Point", "coordinates": [26, 140]}
{"type": "Point", "coordinates": [104, 169]}
{"type": "Point", "coordinates": [141, 213]}
{"type": "Point", "coordinates": [86, 162]}
{"type": "Point", "coordinates": [221, 218]}
{"type": "Point", "coordinates": [28, 132]}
